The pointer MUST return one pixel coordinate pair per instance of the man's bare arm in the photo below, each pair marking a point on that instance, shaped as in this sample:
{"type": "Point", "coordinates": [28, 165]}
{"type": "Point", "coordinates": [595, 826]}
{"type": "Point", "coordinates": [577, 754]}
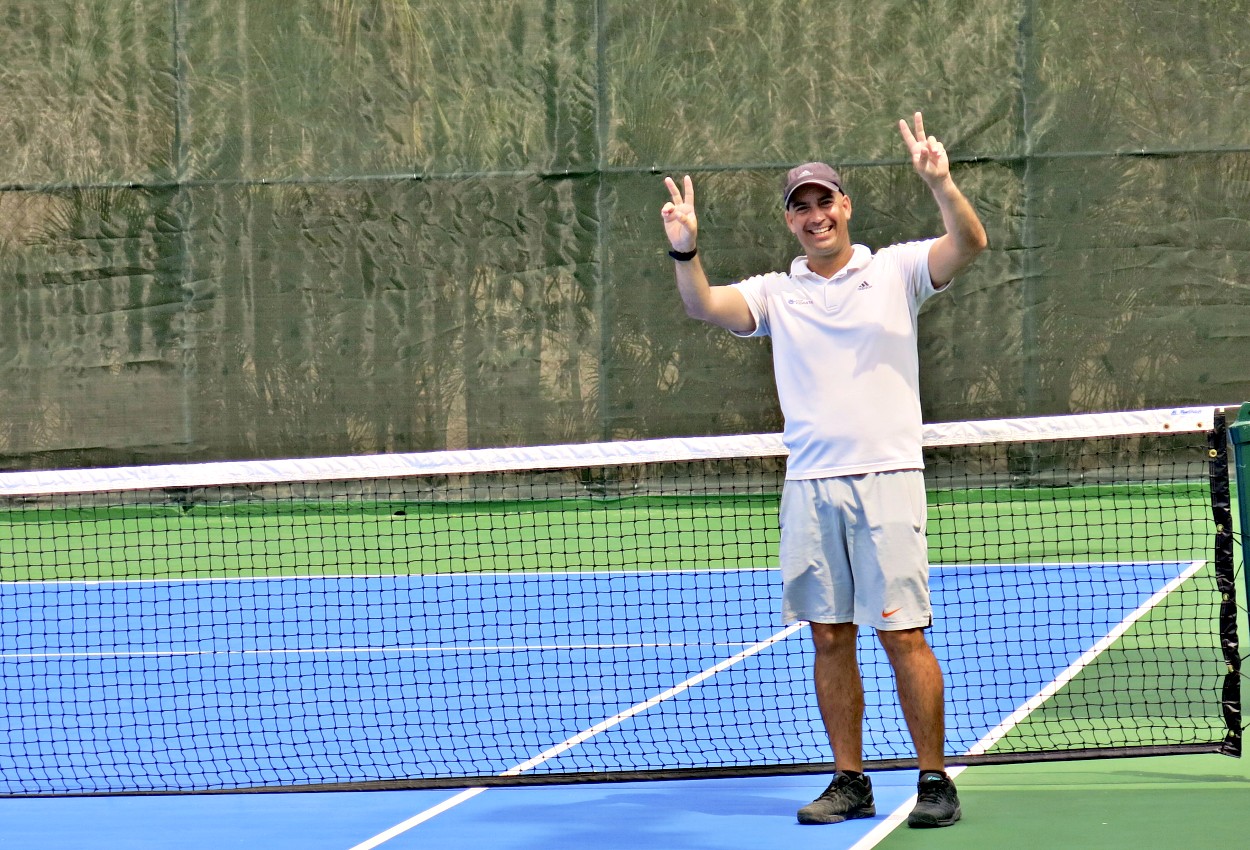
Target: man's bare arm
{"type": "Point", "coordinates": [719, 305]}
{"type": "Point", "coordinates": [965, 236]}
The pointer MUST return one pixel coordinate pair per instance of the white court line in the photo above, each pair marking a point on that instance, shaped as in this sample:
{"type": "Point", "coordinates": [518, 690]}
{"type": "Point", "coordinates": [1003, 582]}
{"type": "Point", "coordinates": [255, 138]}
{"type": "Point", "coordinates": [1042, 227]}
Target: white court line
{"type": "Point", "coordinates": [523, 572]}
{"type": "Point", "coordinates": [507, 576]}
{"type": "Point", "coordinates": [895, 819]}
{"type": "Point", "coordinates": [361, 650]}
{"type": "Point", "coordinates": [579, 738]}
{"type": "Point", "coordinates": [417, 820]}
{"type": "Point", "coordinates": [899, 815]}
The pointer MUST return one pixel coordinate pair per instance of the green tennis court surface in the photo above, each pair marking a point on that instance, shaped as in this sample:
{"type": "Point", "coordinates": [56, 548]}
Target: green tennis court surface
{"type": "Point", "coordinates": [190, 539]}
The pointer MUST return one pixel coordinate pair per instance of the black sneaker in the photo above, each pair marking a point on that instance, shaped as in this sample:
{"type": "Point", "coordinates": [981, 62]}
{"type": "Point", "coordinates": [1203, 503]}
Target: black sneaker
{"type": "Point", "coordinates": [846, 797]}
{"type": "Point", "coordinates": [937, 802]}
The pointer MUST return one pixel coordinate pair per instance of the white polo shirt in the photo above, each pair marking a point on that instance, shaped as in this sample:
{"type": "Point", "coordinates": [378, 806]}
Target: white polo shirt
{"type": "Point", "coordinates": [846, 360]}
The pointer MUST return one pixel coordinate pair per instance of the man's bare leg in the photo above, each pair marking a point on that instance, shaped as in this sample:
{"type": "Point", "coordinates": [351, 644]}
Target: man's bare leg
{"type": "Point", "coordinates": [919, 681]}
{"type": "Point", "coordinates": [840, 691]}
{"type": "Point", "coordinates": [840, 695]}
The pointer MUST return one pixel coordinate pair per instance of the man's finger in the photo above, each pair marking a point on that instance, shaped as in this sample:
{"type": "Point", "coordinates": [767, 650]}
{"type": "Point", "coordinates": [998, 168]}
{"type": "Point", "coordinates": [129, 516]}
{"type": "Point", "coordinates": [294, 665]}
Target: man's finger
{"type": "Point", "coordinates": [672, 190]}
{"type": "Point", "coordinates": [905, 132]}
{"type": "Point", "coordinates": [689, 185]}
{"type": "Point", "coordinates": [919, 126]}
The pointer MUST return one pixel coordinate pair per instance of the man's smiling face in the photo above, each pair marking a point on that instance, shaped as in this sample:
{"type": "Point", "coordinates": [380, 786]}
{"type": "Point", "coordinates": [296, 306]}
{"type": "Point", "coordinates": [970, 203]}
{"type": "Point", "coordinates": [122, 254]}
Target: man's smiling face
{"type": "Point", "coordinates": [818, 218]}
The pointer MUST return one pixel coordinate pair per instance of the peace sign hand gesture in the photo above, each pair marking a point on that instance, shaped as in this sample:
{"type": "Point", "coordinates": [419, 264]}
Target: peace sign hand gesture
{"type": "Point", "coordinates": [680, 223]}
{"type": "Point", "coordinates": [928, 156]}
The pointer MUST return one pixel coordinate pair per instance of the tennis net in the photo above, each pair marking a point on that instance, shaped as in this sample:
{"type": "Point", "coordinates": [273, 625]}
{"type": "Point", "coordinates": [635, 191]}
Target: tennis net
{"type": "Point", "coordinates": [603, 611]}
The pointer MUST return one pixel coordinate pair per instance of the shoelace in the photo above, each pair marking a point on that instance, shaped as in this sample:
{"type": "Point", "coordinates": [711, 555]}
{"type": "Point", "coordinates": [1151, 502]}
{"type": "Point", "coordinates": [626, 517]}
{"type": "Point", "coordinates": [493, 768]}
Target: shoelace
{"type": "Point", "coordinates": [841, 785]}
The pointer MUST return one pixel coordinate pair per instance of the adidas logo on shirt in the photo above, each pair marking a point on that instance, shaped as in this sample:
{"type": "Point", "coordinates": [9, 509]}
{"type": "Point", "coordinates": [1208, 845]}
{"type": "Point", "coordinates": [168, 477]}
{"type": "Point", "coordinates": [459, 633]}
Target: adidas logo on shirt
{"type": "Point", "coordinates": [863, 286]}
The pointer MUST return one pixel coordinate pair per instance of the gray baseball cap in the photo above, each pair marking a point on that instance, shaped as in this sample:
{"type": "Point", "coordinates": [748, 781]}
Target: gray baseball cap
{"type": "Point", "coordinates": [815, 173]}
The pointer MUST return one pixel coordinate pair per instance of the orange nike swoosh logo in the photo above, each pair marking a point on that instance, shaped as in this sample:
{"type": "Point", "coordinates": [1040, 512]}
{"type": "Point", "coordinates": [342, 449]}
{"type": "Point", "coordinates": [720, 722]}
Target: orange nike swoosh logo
{"type": "Point", "coordinates": [889, 614]}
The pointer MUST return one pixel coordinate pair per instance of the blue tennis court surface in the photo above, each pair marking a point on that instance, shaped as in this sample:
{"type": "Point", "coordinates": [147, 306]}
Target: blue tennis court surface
{"type": "Point", "coordinates": [181, 685]}
{"type": "Point", "coordinates": [755, 813]}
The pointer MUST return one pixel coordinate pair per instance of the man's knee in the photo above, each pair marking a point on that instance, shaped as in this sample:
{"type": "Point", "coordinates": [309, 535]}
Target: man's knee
{"type": "Point", "coordinates": [834, 638]}
{"type": "Point", "coordinates": [903, 641]}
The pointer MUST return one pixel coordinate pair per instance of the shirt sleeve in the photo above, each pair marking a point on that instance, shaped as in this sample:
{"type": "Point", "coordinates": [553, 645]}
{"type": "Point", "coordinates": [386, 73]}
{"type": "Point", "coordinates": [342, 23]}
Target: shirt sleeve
{"type": "Point", "coordinates": [754, 290]}
{"type": "Point", "coordinates": [912, 260]}
{"type": "Point", "coordinates": [924, 281]}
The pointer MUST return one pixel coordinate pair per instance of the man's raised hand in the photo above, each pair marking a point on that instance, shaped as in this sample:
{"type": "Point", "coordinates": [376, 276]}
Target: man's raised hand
{"type": "Point", "coordinates": [928, 156]}
{"type": "Point", "coordinates": [680, 224]}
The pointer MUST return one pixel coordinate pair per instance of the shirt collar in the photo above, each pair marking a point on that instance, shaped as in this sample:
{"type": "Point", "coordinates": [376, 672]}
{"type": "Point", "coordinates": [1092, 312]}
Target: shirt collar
{"type": "Point", "coordinates": [860, 256]}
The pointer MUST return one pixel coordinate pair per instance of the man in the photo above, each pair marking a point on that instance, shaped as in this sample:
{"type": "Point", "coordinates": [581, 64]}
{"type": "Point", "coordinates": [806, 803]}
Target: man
{"type": "Point", "coordinates": [845, 358]}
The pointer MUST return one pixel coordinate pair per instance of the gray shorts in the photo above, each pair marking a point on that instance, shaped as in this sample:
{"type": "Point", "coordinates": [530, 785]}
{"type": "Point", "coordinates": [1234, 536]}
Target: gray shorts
{"type": "Point", "coordinates": [853, 550]}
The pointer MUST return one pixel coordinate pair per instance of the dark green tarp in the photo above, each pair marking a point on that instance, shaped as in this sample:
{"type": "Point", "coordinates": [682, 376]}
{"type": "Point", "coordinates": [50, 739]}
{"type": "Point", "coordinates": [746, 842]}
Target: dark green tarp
{"type": "Point", "coordinates": [235, 229]}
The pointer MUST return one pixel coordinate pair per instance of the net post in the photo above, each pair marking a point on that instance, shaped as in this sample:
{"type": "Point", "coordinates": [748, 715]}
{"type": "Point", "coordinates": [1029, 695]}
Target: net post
{"type": "Point", "coordinates": [1226, 581]}
{"type": "Point", "coordinates": [1239, 433]}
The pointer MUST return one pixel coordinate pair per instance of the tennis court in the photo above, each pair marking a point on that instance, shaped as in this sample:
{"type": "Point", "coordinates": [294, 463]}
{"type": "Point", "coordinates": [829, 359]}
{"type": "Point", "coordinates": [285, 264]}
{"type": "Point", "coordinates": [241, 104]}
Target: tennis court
{"type": "Point", "coordinates": [313, 680]}
{"type": "Point", "coordinates": [727, 813]}
{"type": "Point", "coordinates": [414, 644]}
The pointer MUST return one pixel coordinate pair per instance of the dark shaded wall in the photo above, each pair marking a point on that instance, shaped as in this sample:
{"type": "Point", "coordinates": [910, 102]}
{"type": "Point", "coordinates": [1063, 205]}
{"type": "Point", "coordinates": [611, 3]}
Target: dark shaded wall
{"type": "Point", "coordinates": [237, 229]}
